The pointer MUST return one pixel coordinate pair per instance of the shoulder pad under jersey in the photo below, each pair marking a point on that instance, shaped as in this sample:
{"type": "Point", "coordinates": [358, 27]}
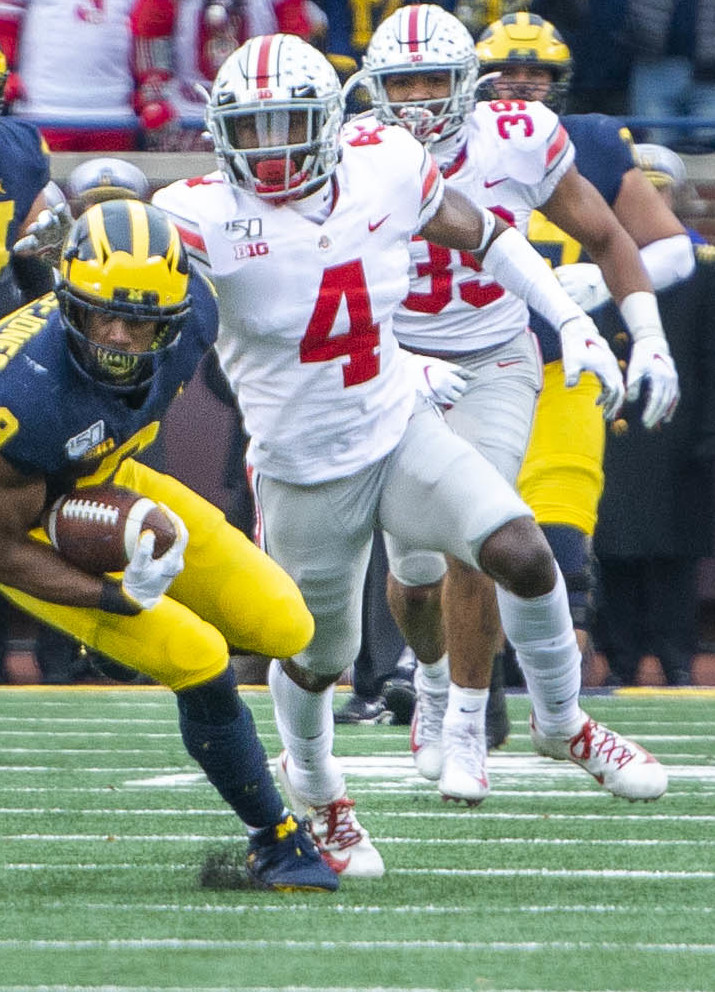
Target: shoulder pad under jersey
{"type": "Point", "coordinates": [525, 138]}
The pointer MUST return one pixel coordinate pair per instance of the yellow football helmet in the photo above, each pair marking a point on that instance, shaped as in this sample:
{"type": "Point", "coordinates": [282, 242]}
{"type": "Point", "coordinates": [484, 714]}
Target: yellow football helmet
{"type": "Point", "coordinates": [528, 40]}
{"type": "Point", "coordinates": [123, 258]}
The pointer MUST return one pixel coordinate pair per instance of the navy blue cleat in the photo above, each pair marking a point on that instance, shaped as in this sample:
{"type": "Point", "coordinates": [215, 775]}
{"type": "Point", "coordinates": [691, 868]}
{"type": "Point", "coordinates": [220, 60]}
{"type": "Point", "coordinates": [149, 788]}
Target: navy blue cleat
{"type": "Point", "coordinates": [286, 859]}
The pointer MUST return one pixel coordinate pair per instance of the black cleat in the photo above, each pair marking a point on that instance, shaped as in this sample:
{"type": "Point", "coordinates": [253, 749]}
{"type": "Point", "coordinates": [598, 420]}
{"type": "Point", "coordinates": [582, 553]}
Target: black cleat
{"type": "Point", "coordinates": [400, 697]}
{"type": "Point", "coordinates": [285, 858]}
{"type": "Point", "coordinates": [497, 718]}
{"type": "Point", "coordinates": [361, 709]}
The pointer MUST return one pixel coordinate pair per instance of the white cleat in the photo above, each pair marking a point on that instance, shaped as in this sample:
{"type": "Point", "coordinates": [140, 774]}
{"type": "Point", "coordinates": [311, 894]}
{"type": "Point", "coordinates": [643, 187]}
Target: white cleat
{"type": "Point", "coordinates": [619, 765]}
{"type": "Point", "coordinates": [344, 845]}
{"type": "Point", "coordinates": [464, 771]}
{"type": "Point", "coordinates": [426, 728]}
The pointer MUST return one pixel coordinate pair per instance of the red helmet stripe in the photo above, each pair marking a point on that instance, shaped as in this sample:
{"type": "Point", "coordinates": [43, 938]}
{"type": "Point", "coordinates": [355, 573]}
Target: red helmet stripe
{"type": "Point", "coordinates": [263, 72]}
{"type": "Point", "coordinates": [412, 28]}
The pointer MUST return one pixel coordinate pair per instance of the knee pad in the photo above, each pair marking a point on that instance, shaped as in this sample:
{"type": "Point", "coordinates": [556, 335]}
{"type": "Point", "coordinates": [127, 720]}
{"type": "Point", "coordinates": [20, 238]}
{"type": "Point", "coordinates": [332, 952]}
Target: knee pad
{"type": "Point", "coordinates": [417, 568]}
{"type": "Point", "coordinates": [572, 550]}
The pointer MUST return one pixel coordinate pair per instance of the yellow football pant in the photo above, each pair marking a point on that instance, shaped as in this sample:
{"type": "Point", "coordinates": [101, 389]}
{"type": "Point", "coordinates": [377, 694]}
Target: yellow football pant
{"type": "Point", "coordinates": [230, 594]}
{"type": "Point", "coordinates": [562, 475]}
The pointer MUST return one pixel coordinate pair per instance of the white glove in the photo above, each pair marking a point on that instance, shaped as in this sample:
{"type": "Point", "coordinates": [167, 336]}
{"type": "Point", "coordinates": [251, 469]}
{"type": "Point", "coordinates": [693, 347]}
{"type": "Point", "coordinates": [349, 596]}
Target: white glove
{"type": "Point", "coordinates": [44, 238]}
{"type": "Point", "coordinates": [146, 578]}
{"type": "Point", "coordinates": [440, 381]}
{"type": "Point", "coordinates": [584, 350]}
{"type": "Point", "coordinates": [584, 283]}
{"type": "Point", "coordinates": [651, 363]}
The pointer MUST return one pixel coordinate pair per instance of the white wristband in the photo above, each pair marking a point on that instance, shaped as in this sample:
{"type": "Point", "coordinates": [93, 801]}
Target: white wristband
{"type": "Point", "coordinates": [668, 260]}
{"type": "Point", "coordinates": [518, 267]}
{"type": "Point", "coordinates": [640, 315]}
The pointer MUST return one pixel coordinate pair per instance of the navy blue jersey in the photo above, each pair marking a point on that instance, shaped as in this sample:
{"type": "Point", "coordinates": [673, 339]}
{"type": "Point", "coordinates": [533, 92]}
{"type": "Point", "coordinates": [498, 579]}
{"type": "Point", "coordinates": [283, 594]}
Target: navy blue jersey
{"type": "Point", "coordinates": [24, 172]}
{"type": "Point", "coordinates": [57, 422]}
{"type": "Point", "coordinates": [603, 156]}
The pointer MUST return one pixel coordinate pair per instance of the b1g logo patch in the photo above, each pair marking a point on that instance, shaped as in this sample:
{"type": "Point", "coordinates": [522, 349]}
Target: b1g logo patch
{"type": "Point", "coordinates": [250, 250]}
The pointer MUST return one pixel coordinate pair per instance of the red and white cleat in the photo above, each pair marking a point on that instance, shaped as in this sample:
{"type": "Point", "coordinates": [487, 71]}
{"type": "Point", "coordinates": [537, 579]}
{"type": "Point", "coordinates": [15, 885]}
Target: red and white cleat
{"type": "Point", "coordinates": [619, 765]}
{"type": "Point", "coordinates": [345, 846]}
{"type": "Point", "coordinates": [464, 770]}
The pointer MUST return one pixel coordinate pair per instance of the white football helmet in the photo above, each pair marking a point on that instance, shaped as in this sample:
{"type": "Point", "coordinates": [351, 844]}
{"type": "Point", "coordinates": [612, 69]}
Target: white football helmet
{"type": "Point", "coordinates": [422, 38]}
{"type": "Point", "coordinates": [274, 115]}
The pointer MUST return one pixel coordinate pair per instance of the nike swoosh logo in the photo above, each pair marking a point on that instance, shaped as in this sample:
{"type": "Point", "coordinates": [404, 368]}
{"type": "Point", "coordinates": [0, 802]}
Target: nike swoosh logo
{"type": "Point", "coordinates": [374, 227]}
{"type": "Point", "coordinates": [337, 864]}
{"type": "Point", "coordinates": [505, 365]}
{"type": "Point", "coordinates": [462, 710]}
{"type": "Point", "coordinates": [494, 182]}
{"type": "Point", "coordinates": [590, 343]}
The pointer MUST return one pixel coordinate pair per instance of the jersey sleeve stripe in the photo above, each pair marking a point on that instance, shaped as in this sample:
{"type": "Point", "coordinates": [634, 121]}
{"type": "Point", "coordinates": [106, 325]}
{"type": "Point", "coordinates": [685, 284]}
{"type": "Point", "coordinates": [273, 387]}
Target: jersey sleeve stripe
{"type": "Point", "coordinates": [191, 238]}
{"type": "Point", "coordinates": [557, 147]}
{"type": "Point", "coordinates": [428, 184]}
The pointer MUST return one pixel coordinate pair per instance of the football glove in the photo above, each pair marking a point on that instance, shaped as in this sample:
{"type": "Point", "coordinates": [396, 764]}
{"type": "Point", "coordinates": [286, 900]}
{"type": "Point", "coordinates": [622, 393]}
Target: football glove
{"type": "Point", "coordinates": [584, 283]}
{"type": "Point", "coordinates": [43, 238]}
{"type": "Point", "coordinates": [584, 350]}
{"type": "Point", "coordinates": [440, 381]}
{"type": "Point", "coordinates": [146, 578]}
{"type": "Point", "coordinates": [651, 367]}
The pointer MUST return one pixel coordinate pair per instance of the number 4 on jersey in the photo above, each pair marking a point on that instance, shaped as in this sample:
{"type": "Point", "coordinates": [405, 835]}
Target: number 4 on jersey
{"type": "Point", "coordinates": [360, 341]}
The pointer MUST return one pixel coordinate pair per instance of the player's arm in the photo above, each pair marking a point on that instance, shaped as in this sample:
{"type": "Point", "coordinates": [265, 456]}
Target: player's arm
{"type": "Point", "coordinates": [37, 569]}
{"type": "Point", "coordinates": [26, 564]}
{"type": "Point", "coordinates": [579, 209]}
{"type": "Point", "coordinates": [665, 248]}
{"type": "Point", "coordinates": [506, 255]}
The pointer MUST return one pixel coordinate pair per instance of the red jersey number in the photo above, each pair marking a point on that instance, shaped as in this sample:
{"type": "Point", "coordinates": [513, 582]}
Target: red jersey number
{"type": "Point", "coordinates": [511, 116]}
{"type": "Point", "coordinates": [360, 341]}
{"type": "Point", "coordinates": [439, 270]}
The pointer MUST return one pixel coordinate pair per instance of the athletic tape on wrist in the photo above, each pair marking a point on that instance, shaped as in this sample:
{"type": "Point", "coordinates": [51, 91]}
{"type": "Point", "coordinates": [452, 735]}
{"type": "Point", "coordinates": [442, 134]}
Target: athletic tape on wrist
{"type": "Point", "coordinates": [640, 315]}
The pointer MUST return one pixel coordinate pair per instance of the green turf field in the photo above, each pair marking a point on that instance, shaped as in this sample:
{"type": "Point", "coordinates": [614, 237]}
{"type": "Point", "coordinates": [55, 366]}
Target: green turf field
{"type": "Point", "coordinates": [550, 885]}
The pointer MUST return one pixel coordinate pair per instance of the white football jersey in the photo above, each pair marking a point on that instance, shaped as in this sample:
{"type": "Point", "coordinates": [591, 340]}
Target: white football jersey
{"type": "Point", "coordinates": [76, 62]}
{"type": "Point", "coordinates": [514, 156]}
{"type": "Point", "coordinates": [306, 338]}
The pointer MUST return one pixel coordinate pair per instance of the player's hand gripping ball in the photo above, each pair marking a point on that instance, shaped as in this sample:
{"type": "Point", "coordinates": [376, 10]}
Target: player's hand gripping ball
{"type": "Point", "coordinates": [97, 529]}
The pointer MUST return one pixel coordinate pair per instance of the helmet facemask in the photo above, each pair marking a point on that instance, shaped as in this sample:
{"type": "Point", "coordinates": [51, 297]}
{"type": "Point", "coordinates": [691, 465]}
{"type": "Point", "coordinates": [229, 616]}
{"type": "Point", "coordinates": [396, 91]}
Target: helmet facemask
{"type": "Point", "coordinates": [424, 40]}
{"type": "Point", "coordinates": [123, 260]}
{"type": "Point", "coordinates": [275, 114]}
{"type": "Point", "coordinates": [427, 119]}
{"type": "Point", "coordinates": [124, 371]}
{"type": "Point", "coordinates": [284, 149]}
{"type": "Point", "coordinates": [525, 40]}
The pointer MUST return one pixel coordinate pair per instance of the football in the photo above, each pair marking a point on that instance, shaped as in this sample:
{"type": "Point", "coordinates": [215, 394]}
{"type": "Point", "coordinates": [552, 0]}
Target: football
{"type": "Point", "coordinates": [97, 529]}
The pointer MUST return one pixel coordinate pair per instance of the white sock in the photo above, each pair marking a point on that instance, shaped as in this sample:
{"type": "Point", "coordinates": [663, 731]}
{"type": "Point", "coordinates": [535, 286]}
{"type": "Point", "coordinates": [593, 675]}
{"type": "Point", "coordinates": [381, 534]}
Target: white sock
{"type": "Point", "coordinates": [466, 707]}
{"type": "Point", "coordinates": [438, 673]}
{"type": "Point", "coordinates": [542, 634]}
{"type": "Point", "coordinates": [305, 724]}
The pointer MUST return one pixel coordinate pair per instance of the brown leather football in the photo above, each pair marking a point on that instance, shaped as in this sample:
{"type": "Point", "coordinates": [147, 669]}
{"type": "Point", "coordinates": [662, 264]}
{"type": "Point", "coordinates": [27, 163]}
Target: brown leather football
{"type": "Point", "coordinates": [97, 529]}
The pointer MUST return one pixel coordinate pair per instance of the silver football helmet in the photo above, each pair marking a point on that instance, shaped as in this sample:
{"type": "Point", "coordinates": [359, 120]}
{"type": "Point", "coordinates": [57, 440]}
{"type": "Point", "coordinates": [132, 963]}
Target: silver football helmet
{"type": "Point", "coordinates": [422, 38]}
{"type": "Point", "coordinates": [274, 116]}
